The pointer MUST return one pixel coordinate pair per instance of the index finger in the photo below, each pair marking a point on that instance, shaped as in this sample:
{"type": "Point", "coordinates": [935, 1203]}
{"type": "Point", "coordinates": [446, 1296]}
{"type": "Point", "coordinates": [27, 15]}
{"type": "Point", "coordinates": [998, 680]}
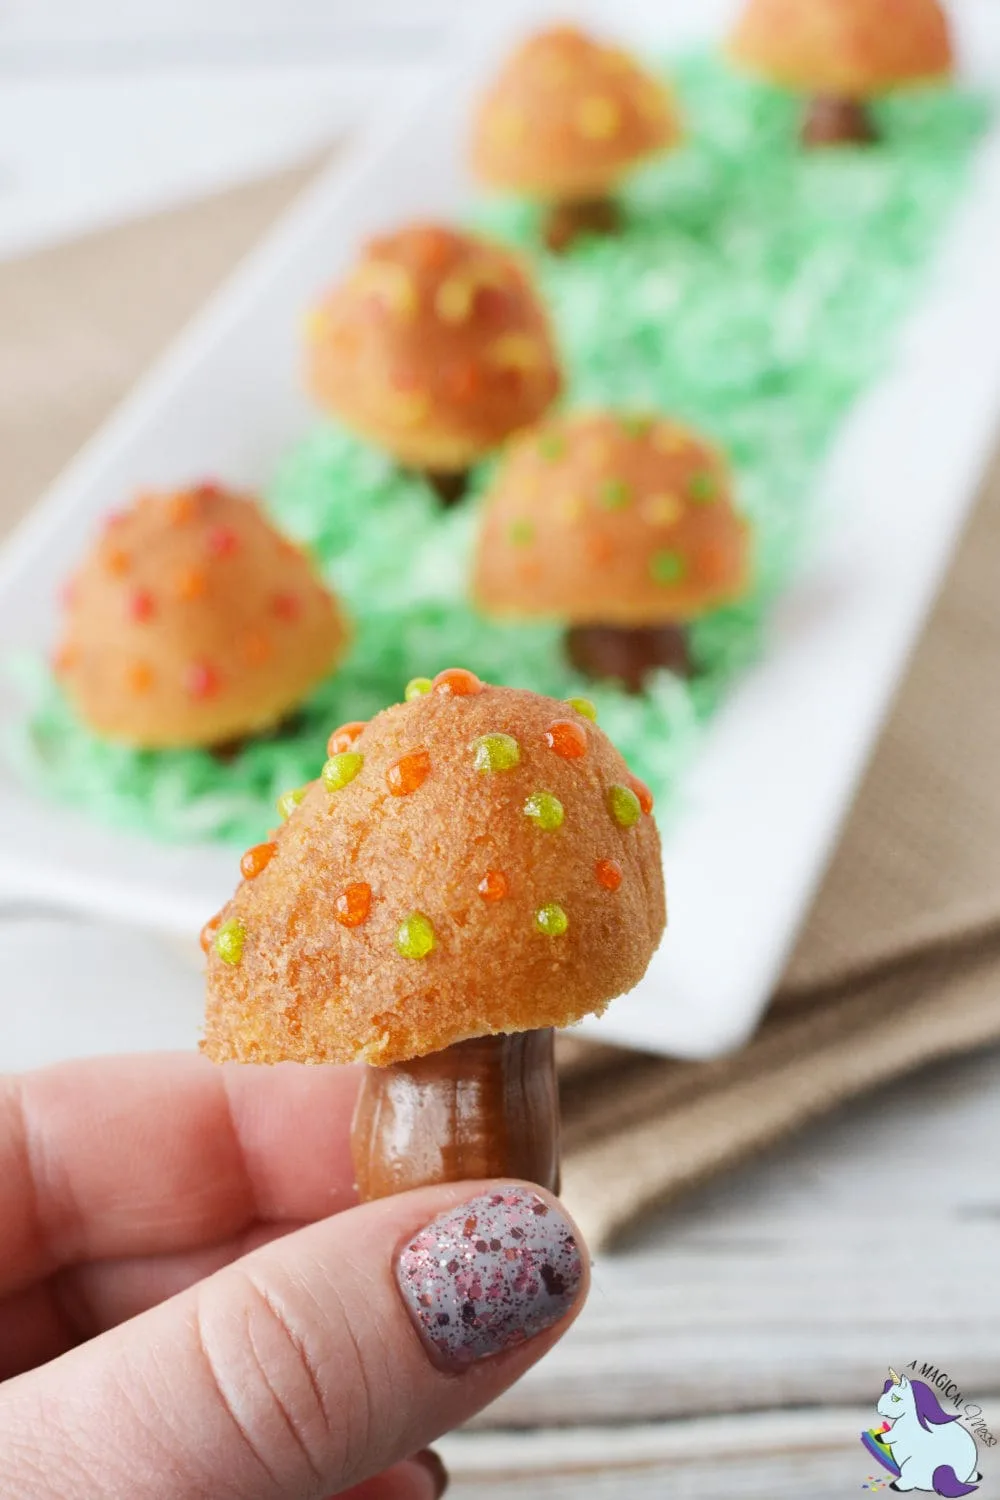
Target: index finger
{"type": "Point", "coordinates": [142, 1155]}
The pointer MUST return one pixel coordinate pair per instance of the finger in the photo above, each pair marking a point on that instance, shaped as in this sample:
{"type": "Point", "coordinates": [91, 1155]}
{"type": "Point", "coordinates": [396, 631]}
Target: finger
{"type": "Point", "coordinates": [421, 1478]}
{"type": "Point", "coordinates": [313, 1364]}
{"type": "Point", "coordinates": [144, 1155]}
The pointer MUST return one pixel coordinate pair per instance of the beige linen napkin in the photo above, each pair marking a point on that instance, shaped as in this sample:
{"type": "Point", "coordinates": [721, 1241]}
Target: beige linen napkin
{"type": "Point", "coordinates": [900, 960]}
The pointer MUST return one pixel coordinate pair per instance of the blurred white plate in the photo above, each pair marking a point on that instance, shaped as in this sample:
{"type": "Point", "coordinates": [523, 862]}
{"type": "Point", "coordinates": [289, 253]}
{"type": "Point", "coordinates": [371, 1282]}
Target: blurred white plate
{"type": "Point", "coordinates": [763, 806]}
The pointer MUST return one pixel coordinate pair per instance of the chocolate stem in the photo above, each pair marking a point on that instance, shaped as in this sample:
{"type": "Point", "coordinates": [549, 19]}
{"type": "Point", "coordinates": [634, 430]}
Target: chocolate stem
{"type": "Point", "coordinates": [449, 485]}
{"type": "Point", "coordinates": [628, 654]}
{"type": "Point", "coordinates": [483, 1108]}
{"type": "Point", "coordinates": [831, 120]}
{"type": "Point", "coordinates": [565, 223]}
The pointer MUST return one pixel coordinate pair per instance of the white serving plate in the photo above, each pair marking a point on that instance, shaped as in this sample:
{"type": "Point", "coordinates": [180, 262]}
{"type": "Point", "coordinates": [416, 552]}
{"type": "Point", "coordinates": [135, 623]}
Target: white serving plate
{"type": "Point", "coordinates": [762, 808]}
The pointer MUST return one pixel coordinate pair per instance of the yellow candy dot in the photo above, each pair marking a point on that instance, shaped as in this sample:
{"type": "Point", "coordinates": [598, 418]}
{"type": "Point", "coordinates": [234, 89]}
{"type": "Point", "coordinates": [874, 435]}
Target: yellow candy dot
{"type": "Point", "coordinates": [507, 126]}
{"type": "Point", "coordinates": [569, 508]}
{"type": "Point", "coordinates": [518, 351]}
{"type": "Point", "coordinates": [624, 806]}
{"type": "Point", "coordinates": [598, 118]}
{"type": "Point", "coordinates": [229, 941]}
{"type": "Point", "coordinates": [496, 752]}
{"type": "Point", "coordinates": [545, 810]}
{"type": "Point", "coordinates": [661, 510]}
{"type": "Point", "coordinates": [417, 687]}
{"type": "Point", "coordinates": [551, 920]}
{"type": "Point", "coordinates": [583, 706]}
{"type": "Point", "coordinates": [289, 801]}
{"type": "Point", "coordinates": [341, 769]}
{"type": "Point", "coordinates": [670, 439]}
{"type": "Point", "coordinates": [415, 936]}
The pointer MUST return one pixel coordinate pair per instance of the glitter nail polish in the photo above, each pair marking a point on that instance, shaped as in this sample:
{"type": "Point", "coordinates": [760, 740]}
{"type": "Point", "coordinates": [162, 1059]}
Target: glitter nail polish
{"type": "Point", "coordinates": [489, 1275]}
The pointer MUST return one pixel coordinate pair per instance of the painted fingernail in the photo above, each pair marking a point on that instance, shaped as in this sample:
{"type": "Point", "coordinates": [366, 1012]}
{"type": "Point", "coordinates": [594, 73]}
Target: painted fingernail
{"type": "Point", "coordinates": [489, 1275]}
{"type": "Point", "coordinates": [431, 1462]}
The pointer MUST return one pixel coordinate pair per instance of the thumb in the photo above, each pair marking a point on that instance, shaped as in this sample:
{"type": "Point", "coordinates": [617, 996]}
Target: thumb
{"type": "Point", "coordinates": [312, 1364]}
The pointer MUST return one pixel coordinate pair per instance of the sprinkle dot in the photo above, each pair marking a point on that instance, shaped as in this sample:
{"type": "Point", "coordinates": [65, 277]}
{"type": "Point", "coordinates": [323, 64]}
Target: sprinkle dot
{"type": "Point", "coordinates": [585, 707]}
{"type": "Point", "coordinates": [117, 561]}
{"type": "Point", "coordinates": [551, 446]}
{"type": "Point", "coordinates": [493, 886]}
{"type": "Point", "coordinates": [415, 936]}
{"type": "Point", "coordinates": [201, 680]}
{"type": "Point", "coordinates": [495, 752]}
{"type": "Point", "coordinates": [408, 773]}
{"type": "Point", "coordinates": [207, 935]}
{"type": "Point", "coordinates": [353, 905]}
{"type": "Point", "coordinates": [229, 941]}
{"type": "Point", "coordinates": [343, 738]}
{"type": "Point", "coordinates": [457, 683]}
{"type": "Point", "coordinates": [286, 607]}
{"type": "Point", "coordinates": [551, 920]}
{"type": "Point", "coordinates": [661, 510]}
{"type": "Point", "coordinates": [545, 810]}
{"type": "Point", "coordinates": [567, 739]}
{"type": "Point", "coordinates": [637, 426]}
{"type": "Point", "coordinates": [598, 118]}
{"type": "Point", "coordinates": [614, 494]}
{"type": "Point", "coordinates": [223, 541]}
{"type": "Point", "coordinates": [289, 801]}
{"type": "Point", "coordinates": [667, 567]}
{"type": "Point", "coordinates": [140, 677]}
{"type": "Point", "coordinates": [191, 583]}
{"type": "Point", "coordinates": [256, 860]}
{"type": "Point", "coordinates": [341, 769]}
{"type": "Point", "coordinates": [643, 793]}
{"type": "Point", "coordinates": [609, 874]}
{"type": "Point", "coordinates": [623, 806]}
{"type": "Point", "coordinates": [141, 605]}
{"type": "Point", "coordinates": [417, 687]}
{"type": "Point", "coordinates": [521, 533]}
{"type": "Point", "coordinates": [703, 487]}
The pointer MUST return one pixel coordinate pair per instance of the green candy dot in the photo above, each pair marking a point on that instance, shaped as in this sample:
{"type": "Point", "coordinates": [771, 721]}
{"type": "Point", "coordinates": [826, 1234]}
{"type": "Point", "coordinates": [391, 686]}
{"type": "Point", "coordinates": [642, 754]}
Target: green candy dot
{"type": "Point", "coordinates": [614, 494]}
{"type": "Point", "coordinates": [415, 936]}
{"type": "Point", "coordinates": [521, 533]}
{"type": "Point", "coordinates": [229, 941]}
{"type": "Point", "coordinates": [623, 806]}
{"type": "Point", "coordinates": [667, 567]}
{"type": "Point", "coordinates": [289, 801]}
{"type": "Point", "coordinates": [545, 810]}
{"type": "Point", "coordinates": [551, 920]}
{"type": "Point", "coordinates": [417, 687]}
{"type": "Point", "coordinates": [583, 706]}
{"type": "Point", "coordinates": [703, 487]}
{"type": "Point", "coordinates": [340, 769]}
{"type": "Point", "coordinates": [552, 446]}
{"type": "Point", "coordinates": [496, 752]}
{"type": "Point", "coordinates": [636, 425]}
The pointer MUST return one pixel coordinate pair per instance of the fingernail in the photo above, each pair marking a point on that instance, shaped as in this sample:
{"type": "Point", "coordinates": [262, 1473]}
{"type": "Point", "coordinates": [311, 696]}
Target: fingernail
{"type": "Point", "coordinates": [489, 1275]}
{"type": "Point", "coordinates": [431, 1461]}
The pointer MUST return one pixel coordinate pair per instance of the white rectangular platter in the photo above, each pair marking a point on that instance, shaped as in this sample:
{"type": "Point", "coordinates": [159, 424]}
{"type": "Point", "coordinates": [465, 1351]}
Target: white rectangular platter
{"type": "Point", "coordinates": [762, 807]}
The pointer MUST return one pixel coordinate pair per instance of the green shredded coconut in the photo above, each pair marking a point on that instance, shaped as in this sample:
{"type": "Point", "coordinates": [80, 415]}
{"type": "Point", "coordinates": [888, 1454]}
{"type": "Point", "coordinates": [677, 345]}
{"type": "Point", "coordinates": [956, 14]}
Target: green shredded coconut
{"type": "Point", "coordinates": [755, 292]}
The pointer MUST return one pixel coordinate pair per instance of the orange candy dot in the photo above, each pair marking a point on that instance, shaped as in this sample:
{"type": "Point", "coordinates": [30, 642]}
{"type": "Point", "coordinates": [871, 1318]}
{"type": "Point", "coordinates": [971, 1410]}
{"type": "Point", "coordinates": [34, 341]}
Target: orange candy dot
{"type": "Point", "coordinates": [208, 932]}
{"type": "Point", "coordinates": [190, 583]}
{"type": "Point", "coordinates": [256, 648]}
{"type": "Point", "coordinates": [64, 659]}
{"type": "Point", "coordinates": [609, 874]}
{"type": "Point", "coordinates": [181, 509]}
{"type": "Point", "coordinates": [352, 906]}
{"type": "Point", "coordinates": [408, 773]}
{"type": "Point", "coordinates": [201, 679]}
{"type": "Point", "coordinates": [257, 859]}
{"type": "Point", "coordinates": [287, 607]}
{"type": "Point", "coordinates": [457, 682]}
{"type": "Point", "coordinates": [493, 886]}
{"type": "Point", "coordinates": [140, 677]}
{"type": "Point", "coordinates": [643, 793]}
{"type": "Point", "coordinates": [343, 738]}
{"type": "Point", "coordinates": [117, 561]}
{"type": "Point", "coordinates": [567, 739]}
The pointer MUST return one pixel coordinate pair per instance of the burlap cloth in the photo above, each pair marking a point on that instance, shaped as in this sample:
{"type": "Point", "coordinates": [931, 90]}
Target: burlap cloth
{"type": "Point", "coordinates": [899, 963]}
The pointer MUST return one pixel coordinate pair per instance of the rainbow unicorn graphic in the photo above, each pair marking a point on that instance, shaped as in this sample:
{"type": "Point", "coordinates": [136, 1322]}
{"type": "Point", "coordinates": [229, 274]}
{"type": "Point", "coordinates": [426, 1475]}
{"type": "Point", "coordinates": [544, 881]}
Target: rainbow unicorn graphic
{"type": "Point", "coordinates": [923, 1447]}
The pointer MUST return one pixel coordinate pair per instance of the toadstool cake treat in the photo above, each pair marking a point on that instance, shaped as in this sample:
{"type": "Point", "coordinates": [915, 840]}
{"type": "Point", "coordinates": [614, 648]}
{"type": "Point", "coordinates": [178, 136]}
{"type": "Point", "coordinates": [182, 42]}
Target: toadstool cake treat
{"type": "Point", "coordinates": [564, 122]}
{"type": "Point", "coordinates": [436, 348]}
{"type": "Point", "coordinates": [194, 622]}
{"type": "Point", "coordinates": [472, 868]}
{"type": "Point", "coordinates": [841, 53]}
{"type": "Point", "coordinates": [625, 528]}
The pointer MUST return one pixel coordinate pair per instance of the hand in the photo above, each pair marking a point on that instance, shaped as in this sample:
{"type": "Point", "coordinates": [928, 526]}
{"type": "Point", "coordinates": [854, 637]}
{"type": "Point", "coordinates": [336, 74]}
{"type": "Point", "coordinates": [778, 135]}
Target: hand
{"type": "Point", "coordinates": [192, 1309]}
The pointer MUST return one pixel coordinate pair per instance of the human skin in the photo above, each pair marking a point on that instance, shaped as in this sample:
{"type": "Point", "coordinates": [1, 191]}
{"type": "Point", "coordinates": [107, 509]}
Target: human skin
{"type": "Point", "coordinates": [193, 1306]}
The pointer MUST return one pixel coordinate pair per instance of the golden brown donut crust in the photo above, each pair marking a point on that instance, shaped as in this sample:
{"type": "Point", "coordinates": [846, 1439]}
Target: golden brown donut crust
{"type": "Point", "coordinates": [846, 48]}
{"type": "Point", "coordinates": [568, 117]}
{"type": "Point", "coordinates": [598, 518]}
{"type": "Point", "coordinates": [309, 989]}
{"type": "Point", "coordinates": [434, 348]}
{"type": "Point", "coordinates": [193, 621]}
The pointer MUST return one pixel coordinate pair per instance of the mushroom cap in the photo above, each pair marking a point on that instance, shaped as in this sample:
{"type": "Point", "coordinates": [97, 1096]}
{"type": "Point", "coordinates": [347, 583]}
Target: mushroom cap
{"type": "Point", "coordinates": [846, 48]}
{"type": "Point", "coordinates": [192, 621]}
{"type": "Point", "coordinates": [435, 347]}
{"type": "Point", "coordinates": [598, 518]}
{"type": "Point", "coordinates": [567, 117]}
{"type": "Point", "coordinates": [435, 847]}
